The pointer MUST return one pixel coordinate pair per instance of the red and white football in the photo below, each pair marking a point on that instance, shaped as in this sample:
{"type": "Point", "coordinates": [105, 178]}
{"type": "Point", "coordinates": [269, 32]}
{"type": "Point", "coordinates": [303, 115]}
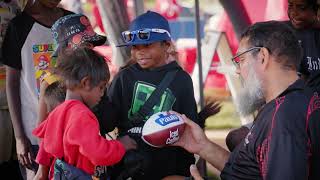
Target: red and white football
{"type": "Point", "coordinates": [162, 128]}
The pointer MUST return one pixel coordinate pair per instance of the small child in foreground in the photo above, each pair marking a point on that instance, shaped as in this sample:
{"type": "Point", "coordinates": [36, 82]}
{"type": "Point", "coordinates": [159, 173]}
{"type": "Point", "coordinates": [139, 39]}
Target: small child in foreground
{"type": "Point", "coordinates": [54, 93]}
{"type": "Point", "coordinates": [76, 129]}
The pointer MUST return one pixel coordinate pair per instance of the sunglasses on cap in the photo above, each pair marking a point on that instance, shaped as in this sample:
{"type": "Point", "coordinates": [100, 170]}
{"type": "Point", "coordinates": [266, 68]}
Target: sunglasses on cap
{"type": "Point", "coordinates": [142, 34]}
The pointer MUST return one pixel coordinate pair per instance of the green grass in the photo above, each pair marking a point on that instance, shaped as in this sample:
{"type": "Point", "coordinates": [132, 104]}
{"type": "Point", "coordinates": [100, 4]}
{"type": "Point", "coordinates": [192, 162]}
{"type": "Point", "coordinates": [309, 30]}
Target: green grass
{"type": "Point", "coordinates": [149, 4]}
{"type": "Point", "coordinates": [227, 118]}
{"type": "Point", "coordinates": [212, 176]}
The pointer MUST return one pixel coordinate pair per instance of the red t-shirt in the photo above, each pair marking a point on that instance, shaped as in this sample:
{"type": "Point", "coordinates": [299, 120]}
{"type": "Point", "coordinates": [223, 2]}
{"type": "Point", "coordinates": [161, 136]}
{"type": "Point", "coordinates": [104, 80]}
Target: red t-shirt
{"type": "Point", "coordinates": [71, 132]}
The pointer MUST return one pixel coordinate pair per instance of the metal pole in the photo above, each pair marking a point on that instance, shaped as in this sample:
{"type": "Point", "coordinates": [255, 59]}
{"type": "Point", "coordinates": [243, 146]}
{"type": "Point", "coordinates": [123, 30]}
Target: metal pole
{"type": "Point", "coordinates": [201, 163]}
{"type": "Point", "coordinates": [199, 55]}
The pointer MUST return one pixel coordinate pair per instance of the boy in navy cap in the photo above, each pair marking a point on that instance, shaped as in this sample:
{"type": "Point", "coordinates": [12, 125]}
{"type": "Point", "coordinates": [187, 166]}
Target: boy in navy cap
{"type": "Point", "coordinates": [150, 41]}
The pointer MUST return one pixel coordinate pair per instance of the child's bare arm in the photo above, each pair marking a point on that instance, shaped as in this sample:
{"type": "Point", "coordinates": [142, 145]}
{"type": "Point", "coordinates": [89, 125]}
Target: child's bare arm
{"type": "Point", "coordinates": [42, 111]}
{"type": "Point", "coordinates": [42, 173]}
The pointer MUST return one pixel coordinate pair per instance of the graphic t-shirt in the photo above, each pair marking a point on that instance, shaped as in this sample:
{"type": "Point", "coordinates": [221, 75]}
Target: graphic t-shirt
{"type": "Point", "coordinates": [130, 89]}
{"type": "Point", "coordinates": [142, 91]}
{"type": "Point", "coordinates": [27, 47]}
{"type": "Point", "coordinates": [309, 40]}
{"type": "Point", "coordinates": [42, 61]}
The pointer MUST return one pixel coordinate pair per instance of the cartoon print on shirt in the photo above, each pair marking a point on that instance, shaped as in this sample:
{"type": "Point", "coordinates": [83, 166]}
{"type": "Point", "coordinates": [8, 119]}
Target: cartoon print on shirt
{"type": "Point", "coordinates": [313, 63]}
{"type": "Point", "coordinates": [42, 61]}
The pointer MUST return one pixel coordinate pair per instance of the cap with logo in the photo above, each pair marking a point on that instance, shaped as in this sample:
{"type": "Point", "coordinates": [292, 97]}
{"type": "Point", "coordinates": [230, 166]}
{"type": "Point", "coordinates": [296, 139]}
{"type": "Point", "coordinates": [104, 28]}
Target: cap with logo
{"type": "Point", "coordinates": [74, 30]}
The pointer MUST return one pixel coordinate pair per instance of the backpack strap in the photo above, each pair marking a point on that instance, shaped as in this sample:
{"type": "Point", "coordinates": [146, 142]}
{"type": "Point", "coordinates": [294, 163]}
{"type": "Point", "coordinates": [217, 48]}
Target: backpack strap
{"type": "Point", "coordinates": [154, 98]}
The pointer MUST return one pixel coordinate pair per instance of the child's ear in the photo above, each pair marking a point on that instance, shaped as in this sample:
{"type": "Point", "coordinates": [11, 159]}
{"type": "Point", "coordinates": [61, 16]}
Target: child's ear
{"type": "Point", "coordinates": [169, 46]}
{"type": "Point", "coordinates": [85, 83]}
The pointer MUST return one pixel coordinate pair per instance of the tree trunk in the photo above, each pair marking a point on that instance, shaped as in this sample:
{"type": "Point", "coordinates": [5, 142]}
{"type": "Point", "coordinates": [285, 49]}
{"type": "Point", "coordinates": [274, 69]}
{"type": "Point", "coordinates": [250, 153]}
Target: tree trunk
{"type": "Point", "coordinates": [237, 14]}
{"type": "Point", "coordinates": [138, 7]}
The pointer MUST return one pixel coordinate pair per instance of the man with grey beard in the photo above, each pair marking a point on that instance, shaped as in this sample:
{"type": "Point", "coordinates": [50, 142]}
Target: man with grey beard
{"type": "Point", "coordinates": [248, 101]}
{"type": "Point", "coordinates": [250, 97]}
{"type": "Point", "coordinates": [278, 145]}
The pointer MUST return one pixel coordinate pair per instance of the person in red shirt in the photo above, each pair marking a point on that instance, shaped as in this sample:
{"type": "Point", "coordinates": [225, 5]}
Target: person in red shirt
{"type": "Point", "coordinates": [76, 129]}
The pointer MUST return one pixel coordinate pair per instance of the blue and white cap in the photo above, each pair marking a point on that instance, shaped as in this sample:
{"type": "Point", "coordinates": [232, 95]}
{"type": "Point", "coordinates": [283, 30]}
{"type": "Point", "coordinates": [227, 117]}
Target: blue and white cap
{"type": "Point", "coordinates": [157, 25]}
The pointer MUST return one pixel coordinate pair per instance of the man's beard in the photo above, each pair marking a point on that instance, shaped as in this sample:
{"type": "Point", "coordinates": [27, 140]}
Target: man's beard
{"type": "Point", "coordinates": [250, 97]}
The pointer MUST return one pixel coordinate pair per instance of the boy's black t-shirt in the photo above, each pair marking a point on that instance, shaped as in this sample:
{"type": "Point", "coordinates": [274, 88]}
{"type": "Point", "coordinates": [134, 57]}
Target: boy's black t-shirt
{"type": "Point", "coordinates": [106, 114]}
{"type": "Point", "coordinates": [130, 89]}
{"type": "Point", "coordinates": [278, 144]}
{"type": "Point", "coordinates": [310, 42]}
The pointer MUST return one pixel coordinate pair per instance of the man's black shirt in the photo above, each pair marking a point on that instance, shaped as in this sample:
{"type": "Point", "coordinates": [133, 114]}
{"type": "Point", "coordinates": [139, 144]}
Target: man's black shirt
{"type": "Point", "coordinates": [278, 144]}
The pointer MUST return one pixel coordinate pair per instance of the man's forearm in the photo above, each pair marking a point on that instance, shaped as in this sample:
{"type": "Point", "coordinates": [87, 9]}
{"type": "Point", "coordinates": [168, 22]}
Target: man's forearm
{"type": "Point", "coordinates": [215, 155]}
{"type": "Point", "coordinates": [13, 97]}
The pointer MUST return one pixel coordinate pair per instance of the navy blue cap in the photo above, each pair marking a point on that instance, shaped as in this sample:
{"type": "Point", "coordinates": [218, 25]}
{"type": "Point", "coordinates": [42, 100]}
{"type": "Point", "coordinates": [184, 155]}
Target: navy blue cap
{"type": "Point", "coordinates": [149, 20]}
{"type": "Point", "coordinates": [75, 29]}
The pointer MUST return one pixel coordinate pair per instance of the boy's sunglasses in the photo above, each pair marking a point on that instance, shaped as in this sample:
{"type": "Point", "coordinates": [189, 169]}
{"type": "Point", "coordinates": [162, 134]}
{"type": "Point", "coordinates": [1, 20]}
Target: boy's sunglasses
{"type": "Point", "coordinates": [142, 34]}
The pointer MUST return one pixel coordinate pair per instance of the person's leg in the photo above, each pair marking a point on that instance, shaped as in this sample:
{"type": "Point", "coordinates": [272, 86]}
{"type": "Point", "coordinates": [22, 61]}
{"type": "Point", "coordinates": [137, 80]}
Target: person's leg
{"type": "Point", "coordinates": [9, 165]}
{"type": "Point", "coordinates": [10, 169]}
{"type": "Point", "coordinates": [6, 136]}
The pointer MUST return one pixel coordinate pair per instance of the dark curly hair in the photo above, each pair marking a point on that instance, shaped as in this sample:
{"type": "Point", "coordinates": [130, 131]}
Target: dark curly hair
{"type": "Point", "coordinates": [74, 65]}
{"type": "Point", "coordinates": [55, 94]}
{"type": "Point", "coordinates": [279, 39]}
{"type": "Point", "coordinates": [313, 4]}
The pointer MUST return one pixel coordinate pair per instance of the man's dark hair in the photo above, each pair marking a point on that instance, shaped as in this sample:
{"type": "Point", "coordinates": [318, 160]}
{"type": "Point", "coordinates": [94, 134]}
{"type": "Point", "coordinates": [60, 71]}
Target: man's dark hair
{"type": "Point", "coordinates": [279, 39]}
{"type": "Point", "coordinates": [55, 94]}
{"type": "Point", "coordinates": [74, 65]}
